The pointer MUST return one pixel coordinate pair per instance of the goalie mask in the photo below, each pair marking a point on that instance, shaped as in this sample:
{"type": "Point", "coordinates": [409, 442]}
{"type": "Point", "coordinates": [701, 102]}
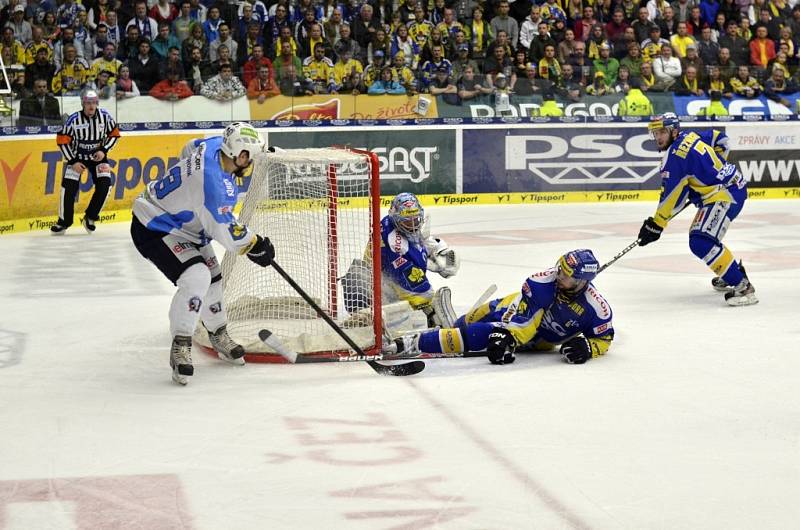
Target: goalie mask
{"type": "Point", "coordinates": [575, 270]}
{"type": "Point", "coordinates": [408, 216]}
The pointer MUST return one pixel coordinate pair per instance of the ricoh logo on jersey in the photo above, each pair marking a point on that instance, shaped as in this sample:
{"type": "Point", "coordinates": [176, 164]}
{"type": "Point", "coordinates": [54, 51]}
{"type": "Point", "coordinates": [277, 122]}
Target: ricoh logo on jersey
{"type": "Point", "coordinates": [580, 159]}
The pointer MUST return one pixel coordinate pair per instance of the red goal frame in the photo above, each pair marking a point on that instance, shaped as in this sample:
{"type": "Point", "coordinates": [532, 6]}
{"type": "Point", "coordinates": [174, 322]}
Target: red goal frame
{"type": "Point", "coordinates": [333, 266]}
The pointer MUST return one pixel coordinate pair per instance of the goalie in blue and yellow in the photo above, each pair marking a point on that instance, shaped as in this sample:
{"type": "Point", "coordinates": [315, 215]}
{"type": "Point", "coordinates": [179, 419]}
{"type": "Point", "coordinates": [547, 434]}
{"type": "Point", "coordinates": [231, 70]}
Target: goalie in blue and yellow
{"type": "Point", "coordinates": [557, 306]}
{"type": "Point", "coordinates": [694, 170]}
{"type": "Point", "coordinates": [408, 254]}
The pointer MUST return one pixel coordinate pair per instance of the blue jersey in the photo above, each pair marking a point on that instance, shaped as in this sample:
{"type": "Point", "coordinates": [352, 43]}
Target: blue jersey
{"type": "Point", "coordinates": [404, 265]}
{"type": "Point", "coordinates": [195, 200]}
{"type": "Point", "coordinates": [693, 170]}
{"type": "Point", "coordinates": [538, 314]}
{"type": "Point", "coordinates": [716, 139]}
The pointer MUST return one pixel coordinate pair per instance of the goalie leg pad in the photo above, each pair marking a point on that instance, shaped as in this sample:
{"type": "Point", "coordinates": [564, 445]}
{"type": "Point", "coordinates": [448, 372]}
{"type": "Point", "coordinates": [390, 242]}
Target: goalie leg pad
{"type": "Point", "coordinates": [357, 286]}
{"type": "Point", "coordinates": [443, 314]}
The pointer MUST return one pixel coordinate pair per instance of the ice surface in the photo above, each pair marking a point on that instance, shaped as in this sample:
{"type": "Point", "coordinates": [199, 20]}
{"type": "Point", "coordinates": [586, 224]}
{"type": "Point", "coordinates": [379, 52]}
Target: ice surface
{"type": "Point", "coordinates": [691, 421]}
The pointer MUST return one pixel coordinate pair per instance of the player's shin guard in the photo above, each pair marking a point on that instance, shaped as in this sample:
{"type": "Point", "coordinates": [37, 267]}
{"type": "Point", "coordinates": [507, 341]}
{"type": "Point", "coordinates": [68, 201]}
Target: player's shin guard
{"type": "Point", "coordinates": [184, 312]}
{"type": "Point", "coordinates": [214, 319]}
{"type": "Point", "coordinates": [717, 257]}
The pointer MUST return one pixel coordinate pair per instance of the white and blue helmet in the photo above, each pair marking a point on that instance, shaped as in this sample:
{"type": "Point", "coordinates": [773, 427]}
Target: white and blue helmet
{"type": "Point", "coordinates": [240, 136]}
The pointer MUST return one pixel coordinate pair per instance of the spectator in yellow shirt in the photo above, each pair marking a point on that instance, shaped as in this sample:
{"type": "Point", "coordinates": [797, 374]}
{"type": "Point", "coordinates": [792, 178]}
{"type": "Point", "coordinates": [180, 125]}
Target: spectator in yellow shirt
{"type": "Point", "coordinates": [681, 40]}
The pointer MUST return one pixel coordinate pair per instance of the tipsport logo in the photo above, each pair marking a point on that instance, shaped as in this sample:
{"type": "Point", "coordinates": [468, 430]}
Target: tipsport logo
{"type": "Point", "coordinates": [581, 159]}
{"type": "Point", "coordinates": [11, 175]}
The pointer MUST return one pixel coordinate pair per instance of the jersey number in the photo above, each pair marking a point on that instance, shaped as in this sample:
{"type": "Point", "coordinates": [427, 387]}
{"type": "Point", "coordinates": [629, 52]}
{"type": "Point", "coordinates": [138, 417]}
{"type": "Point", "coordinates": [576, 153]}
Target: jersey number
{"type": "Point", "coordinates": [705, 149]}
{"type": "Point", "coordinates": [168, 183]}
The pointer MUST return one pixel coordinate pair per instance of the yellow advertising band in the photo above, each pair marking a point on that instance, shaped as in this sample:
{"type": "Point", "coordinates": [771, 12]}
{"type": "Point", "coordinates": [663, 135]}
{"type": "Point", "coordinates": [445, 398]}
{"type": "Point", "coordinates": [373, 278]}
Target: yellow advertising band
{"type": "Point", "coordinates": [111, 216]}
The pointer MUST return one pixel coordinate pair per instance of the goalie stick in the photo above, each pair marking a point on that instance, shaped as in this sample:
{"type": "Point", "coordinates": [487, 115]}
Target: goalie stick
{"type": "Point", "coordinates": [482, 299]}
{"type": "Point", "coordinates": [411, 368]}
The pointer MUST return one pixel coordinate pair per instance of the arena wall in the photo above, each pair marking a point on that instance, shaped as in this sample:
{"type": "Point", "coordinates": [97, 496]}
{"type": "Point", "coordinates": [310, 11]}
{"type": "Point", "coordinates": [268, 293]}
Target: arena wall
{"type": "Point", "coordinates": [452, 162]}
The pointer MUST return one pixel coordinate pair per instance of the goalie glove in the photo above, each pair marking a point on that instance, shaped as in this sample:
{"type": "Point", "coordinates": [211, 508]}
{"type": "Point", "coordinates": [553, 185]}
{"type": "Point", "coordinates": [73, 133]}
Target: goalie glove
{"type": "Point", "coordinates": [576, 350]}
{"type": "Point", "coordinates": [441, 258]}
{"type": "Point", "coordinates": [262, 251]}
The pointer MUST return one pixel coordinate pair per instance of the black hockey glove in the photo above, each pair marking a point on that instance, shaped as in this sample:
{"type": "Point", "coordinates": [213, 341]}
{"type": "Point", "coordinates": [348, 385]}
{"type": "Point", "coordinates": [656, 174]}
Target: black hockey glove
{"type": "Point", "coordinates": [500, 348]}
{"type": "Point", "coordinates": [576, 350]}
{"type": "Point", "coordinates": [262, 252]}
{"type": "Point", "coordinates": [649, 232]}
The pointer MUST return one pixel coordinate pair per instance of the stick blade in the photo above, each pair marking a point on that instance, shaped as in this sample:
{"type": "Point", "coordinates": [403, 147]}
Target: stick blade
{"type": "Point", "coordinates": [273, 342]}
{"type": "Point", "coordinates": [400, 370]}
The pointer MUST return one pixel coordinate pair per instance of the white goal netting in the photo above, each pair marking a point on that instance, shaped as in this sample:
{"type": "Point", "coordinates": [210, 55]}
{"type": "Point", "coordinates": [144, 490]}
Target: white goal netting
{"type": "Point", "coordinates": [319, 207]}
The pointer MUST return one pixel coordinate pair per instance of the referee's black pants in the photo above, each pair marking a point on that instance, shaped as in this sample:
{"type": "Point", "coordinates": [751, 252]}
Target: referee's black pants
{"type": "Point", "coordinates": [69, 191]}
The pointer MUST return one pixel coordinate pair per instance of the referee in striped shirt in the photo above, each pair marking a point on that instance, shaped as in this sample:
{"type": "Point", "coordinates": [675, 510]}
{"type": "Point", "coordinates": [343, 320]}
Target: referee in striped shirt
{"type": "Point", "coordinates": [85, 140]}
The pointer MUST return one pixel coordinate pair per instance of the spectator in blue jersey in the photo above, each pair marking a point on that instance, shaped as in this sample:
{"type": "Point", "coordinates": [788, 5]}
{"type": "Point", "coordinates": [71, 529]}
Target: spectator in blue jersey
{"type": "Point", "coordinates": [386, 85]}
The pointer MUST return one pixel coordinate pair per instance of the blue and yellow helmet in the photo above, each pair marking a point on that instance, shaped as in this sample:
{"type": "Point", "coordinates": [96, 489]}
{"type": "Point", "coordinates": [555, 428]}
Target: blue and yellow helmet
{"type": "Point", "coordinates": [408, 216]}
{"type": "Point", "coordinates": [668, 120]}
{"type": "Point", "coordinates": [579, 264]}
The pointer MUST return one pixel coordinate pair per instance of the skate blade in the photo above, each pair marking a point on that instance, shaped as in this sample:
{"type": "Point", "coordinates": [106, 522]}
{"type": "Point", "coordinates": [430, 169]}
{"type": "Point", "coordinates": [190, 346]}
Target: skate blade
{"type": "Point", "coordinates": [723, 289]}
{"type": "Point", "coordinates": [231, 360]}
{"type": "Point", "coordinates": [180, 379]}
{"type": "Point", "coordinates": [749, 299]}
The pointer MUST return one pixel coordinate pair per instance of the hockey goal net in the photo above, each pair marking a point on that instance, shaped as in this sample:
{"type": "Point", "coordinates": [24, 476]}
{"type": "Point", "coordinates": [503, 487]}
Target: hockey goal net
{"type": "Point", "coordinates": [320, 208]}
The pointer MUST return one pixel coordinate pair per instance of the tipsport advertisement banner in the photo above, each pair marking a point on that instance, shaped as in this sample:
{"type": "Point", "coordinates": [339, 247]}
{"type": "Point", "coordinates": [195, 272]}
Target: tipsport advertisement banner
{"type": "Point", "coordinates": [420, 161]}
{"type": "Point", "coordinates": [549, 158]}
{"type": "Point", "coordinates": [32, 168]}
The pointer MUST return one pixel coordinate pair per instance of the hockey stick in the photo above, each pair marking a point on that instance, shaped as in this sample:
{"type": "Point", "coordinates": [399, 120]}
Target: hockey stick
{"type": "Point", "coordinates": [615, 258]}
{"type": "Point", "coordinates": [390, 354]}
{"type": "Point", "coordinates": [401, 369]}
{"type": "Point", "coordinates": [636, 243]}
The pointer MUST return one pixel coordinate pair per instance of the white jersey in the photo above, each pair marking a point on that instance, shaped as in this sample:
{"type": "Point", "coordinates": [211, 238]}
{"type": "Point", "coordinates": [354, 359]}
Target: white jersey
{"type": "Point", "coordinates": [195, 200]}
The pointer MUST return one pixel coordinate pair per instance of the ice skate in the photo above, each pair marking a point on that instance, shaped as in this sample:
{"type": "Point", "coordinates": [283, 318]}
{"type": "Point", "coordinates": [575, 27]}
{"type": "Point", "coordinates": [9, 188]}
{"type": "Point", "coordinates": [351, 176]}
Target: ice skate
{"type": "Point", "coordinates": [180, 359]}
{"type": "Point", "coordinates": [407, 345]}
{"type": "Point", "coordinates": [227, 350]}
{"type": "Point", "coordinates": [742, 294]}
{"type": "Point", "coordinates": [58, 229]}
{"type": "Point", "coordinates": [721, 285]}
{"type": "Point", "coordinates": [88, 225]}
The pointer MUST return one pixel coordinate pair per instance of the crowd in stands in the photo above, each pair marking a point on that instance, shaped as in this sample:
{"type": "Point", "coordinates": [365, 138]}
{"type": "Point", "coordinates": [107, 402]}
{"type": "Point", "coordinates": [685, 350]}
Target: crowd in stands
{"type": "Point", "coordinates": [461, 49]}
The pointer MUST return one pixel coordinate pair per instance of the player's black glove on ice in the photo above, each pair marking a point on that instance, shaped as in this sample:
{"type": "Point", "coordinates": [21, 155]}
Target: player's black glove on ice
{"type": "Point", "coordinates": [499, 349]}
{"type": "Point", "coordinates": [576, 350]}
{"type": "Point", "coordinates": [262, 252]}
{"type": "Point", "coordinates": [649, 232]}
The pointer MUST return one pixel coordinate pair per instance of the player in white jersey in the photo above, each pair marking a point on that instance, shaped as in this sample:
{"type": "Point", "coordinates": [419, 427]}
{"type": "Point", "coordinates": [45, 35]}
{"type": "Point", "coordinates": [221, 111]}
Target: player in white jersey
{"type": "Point", "coordinates": [174, 220]}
